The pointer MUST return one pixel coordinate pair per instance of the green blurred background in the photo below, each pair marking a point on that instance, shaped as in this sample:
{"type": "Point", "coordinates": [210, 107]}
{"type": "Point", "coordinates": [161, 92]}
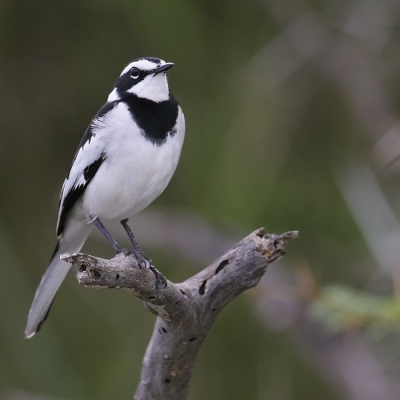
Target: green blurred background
{"type": "Point", "coordinates": [292, 123]}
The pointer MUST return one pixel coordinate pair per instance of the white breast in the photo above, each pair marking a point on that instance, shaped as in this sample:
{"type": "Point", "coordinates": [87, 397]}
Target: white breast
{"type": "Point", "coordinates": [135, 170]}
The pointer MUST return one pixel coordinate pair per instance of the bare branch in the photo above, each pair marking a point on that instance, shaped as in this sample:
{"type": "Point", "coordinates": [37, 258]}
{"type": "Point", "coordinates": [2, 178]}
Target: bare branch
{"type": "Point", "coordinates": [281, 306]}
{"type": "Point", "coordinates": [187, 310]}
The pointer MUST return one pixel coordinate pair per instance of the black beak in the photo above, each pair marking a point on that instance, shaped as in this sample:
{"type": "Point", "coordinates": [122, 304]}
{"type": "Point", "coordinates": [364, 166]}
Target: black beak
{"type": "Point", "coordinates": [163, 68]}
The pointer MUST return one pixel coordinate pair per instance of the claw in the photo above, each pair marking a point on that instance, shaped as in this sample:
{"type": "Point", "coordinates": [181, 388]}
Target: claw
{"type": "Point", "coordinates": [161, 281]}
{"type": "Point", "coordinates": [143, 260]}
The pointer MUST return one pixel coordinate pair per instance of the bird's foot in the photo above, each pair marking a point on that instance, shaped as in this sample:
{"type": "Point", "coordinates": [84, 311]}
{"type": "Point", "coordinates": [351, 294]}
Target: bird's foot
{"type": "Point", "coordinates": [143, 261]}
{"type": "Point", "coordinates": [161, 281]}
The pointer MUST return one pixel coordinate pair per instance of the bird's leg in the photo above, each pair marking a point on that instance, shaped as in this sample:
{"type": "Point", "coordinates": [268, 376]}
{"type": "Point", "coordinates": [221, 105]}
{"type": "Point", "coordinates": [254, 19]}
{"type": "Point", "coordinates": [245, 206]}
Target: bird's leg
{"type": "Point", "coordinates": [132, 238]}
{"type": "Point", "coordinates": [117, 248]}
{"type": "Point", "coordinates": [160, 279]}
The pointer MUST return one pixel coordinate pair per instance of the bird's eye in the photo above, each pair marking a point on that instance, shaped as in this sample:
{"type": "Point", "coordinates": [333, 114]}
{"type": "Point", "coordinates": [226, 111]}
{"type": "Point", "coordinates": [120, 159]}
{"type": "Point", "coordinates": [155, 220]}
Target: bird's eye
{"type": "Point", "coordinates": [135, 73]}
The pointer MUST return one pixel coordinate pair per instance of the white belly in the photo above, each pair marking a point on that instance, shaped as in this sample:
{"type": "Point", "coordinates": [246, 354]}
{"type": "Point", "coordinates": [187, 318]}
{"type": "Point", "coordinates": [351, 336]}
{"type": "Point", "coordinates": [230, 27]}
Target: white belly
{"type": "Point", "coordinates": [134, 173]}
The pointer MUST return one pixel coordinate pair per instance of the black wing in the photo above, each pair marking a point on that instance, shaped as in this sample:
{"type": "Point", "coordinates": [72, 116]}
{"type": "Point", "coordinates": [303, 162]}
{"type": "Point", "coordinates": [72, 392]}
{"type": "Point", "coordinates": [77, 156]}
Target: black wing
{"type": "Point", "coordinates": [87, 161]}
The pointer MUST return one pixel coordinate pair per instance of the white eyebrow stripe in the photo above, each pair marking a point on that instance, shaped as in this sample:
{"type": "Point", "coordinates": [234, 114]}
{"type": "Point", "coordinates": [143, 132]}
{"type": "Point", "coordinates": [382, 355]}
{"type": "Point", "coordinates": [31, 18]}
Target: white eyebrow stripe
{"type": "Point", "coordinates": [144, 65]}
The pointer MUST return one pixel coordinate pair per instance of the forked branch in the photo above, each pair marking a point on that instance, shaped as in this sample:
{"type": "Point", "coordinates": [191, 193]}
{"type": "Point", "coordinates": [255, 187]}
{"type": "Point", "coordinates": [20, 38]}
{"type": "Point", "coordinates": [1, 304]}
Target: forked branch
{"type": "Point", "coordinates": [185, 311]}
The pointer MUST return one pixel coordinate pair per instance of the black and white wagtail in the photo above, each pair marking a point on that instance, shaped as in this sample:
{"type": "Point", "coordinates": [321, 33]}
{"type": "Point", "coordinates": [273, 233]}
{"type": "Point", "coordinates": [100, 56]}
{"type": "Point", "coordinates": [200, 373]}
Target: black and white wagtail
{"type": "Point", "coordinates": [124, 161]}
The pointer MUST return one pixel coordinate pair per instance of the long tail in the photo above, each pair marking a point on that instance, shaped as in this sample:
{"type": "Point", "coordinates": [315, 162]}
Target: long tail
{"type": "Point", "coordinates": [52, 279]}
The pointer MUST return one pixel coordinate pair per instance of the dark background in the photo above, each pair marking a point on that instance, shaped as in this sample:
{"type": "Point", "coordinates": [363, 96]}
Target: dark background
{"type": "Point", "coordinates": [291, 123]}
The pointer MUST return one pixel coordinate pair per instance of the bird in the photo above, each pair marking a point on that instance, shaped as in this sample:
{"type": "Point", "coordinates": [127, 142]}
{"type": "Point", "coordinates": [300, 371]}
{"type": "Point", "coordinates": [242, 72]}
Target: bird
{"type": "Point", "coordinates": [124, 161]}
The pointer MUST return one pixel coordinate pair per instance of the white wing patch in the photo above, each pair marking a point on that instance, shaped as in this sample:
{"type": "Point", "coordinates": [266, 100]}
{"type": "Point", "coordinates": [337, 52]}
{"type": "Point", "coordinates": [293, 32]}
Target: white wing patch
{"type": "Point", "coordinates": [89, 153]}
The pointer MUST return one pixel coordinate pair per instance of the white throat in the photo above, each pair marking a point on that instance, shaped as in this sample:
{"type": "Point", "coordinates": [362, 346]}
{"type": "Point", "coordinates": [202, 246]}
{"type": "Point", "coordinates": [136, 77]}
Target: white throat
{"type": "Point", "coordinates": [153, 87]}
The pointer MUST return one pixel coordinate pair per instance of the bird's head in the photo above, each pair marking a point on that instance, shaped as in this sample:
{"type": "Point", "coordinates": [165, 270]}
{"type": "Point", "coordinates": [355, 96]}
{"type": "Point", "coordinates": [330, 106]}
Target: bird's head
{"type": "Point", "coordinates": [146, 78]}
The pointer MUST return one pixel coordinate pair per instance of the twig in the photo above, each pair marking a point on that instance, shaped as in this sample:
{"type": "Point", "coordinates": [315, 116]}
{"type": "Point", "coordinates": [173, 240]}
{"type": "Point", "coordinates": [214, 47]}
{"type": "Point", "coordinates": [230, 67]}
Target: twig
{"type": "Point", "coordinates": [187, 310]}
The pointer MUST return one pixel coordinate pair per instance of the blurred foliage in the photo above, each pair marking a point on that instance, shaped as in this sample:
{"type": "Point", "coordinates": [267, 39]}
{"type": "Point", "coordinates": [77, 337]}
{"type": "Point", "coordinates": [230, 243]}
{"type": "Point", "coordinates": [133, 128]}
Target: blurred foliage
{"type": "Point", "coordinates": [278, 96]}
{"type": "Point", "coordinates": [342, 308]}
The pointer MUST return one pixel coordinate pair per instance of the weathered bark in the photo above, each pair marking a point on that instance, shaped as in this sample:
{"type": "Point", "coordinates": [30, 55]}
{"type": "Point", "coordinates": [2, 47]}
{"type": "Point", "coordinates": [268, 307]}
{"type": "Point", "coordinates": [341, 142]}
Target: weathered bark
{"type": "Point", "coordinates": [185, 310]}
